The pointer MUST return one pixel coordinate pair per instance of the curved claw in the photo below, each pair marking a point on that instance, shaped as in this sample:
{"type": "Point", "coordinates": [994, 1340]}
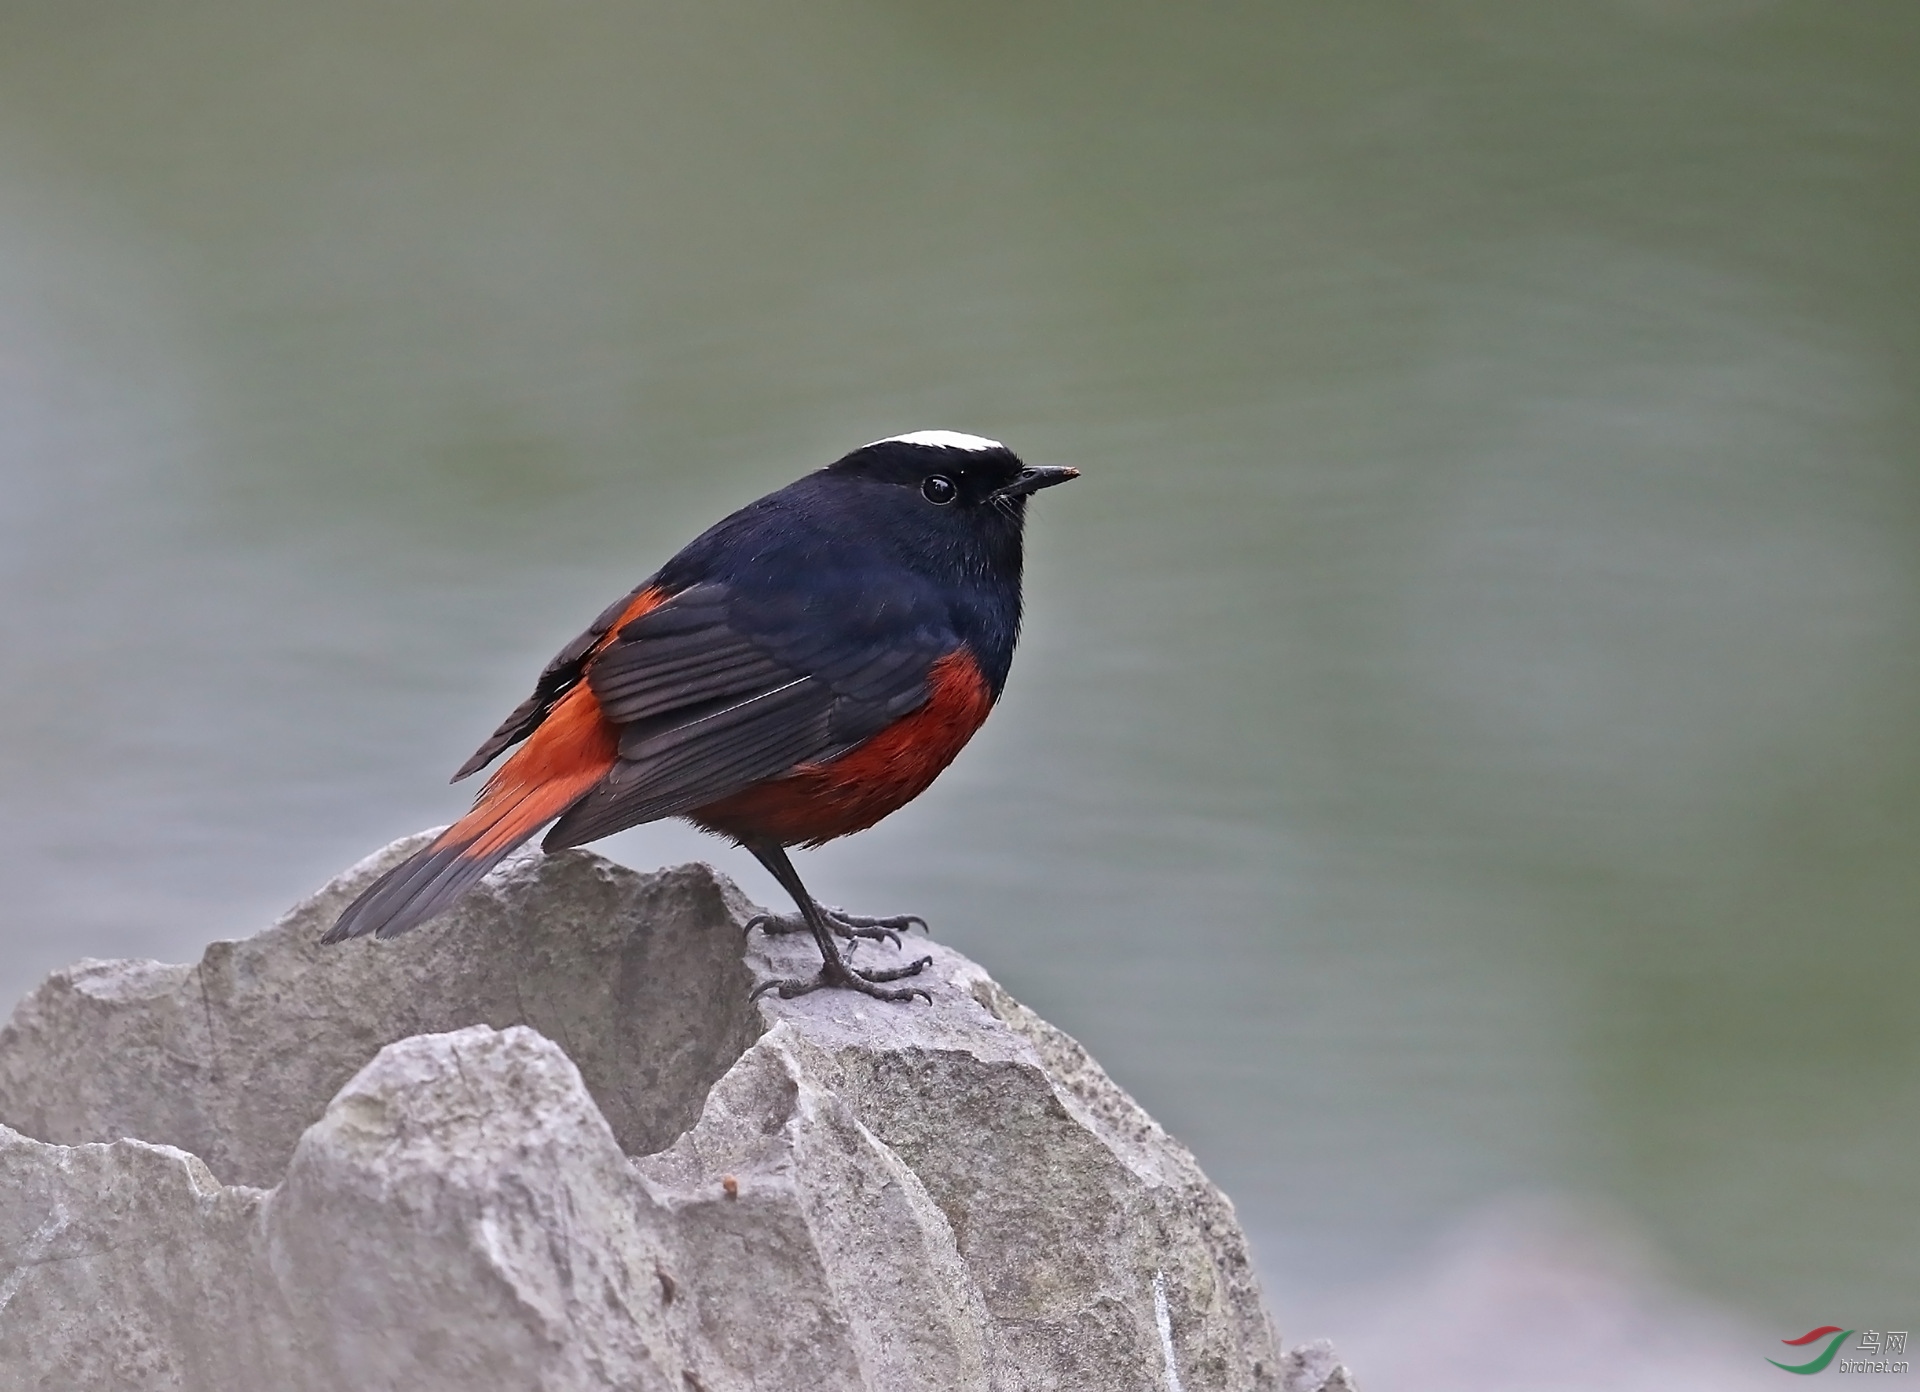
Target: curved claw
{"type": "Point", "coordinates": [852, 927]}
{"type": "Point", "coordinates": [904, 994]}
{"type": "Point", "coordinates": [863, 982]}
{"type": "Point", "coordinates": [899, 923]}
{"type": "Point", "coordinates": [895, 973]}
{"type": "Point", "coordinates": [836, 971]}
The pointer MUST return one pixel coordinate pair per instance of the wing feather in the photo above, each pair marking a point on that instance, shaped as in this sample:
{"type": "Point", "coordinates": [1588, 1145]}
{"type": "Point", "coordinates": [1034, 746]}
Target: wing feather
{"type": "Point", "coordinates": [711, 692]}
{"type": "Point", "coordinates": [557, 678]}
{"type": "Point", "coordinates": [712, 755]}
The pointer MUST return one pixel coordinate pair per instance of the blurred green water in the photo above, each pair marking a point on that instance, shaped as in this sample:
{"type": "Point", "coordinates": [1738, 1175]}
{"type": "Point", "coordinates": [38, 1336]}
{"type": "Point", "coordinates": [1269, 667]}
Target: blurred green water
{"type": "Point", "coordinates": [1467, 739]}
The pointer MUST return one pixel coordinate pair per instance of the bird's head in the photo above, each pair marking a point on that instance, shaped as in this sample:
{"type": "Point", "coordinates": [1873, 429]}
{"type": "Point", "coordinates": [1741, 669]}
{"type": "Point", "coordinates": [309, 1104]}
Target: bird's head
{"type": "Point", "coordinates": [972, 481]}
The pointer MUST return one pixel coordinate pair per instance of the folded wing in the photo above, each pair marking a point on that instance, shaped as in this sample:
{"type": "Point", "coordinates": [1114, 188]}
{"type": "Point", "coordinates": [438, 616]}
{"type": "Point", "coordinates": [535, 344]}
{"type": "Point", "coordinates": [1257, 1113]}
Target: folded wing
{"type": "Point", "coordinates": [710, 695]}
{"type": "Point", "coordinates": [667, 703]}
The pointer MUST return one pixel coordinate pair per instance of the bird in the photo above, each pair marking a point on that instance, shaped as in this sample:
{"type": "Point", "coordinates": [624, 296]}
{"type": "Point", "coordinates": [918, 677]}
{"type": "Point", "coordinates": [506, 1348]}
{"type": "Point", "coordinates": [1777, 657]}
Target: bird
{"type": "Point", "coordinates": [805, 667]}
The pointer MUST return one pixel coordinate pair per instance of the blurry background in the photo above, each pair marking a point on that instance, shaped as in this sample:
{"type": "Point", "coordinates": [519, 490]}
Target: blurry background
{"type": "Point", "coordinates": [1463, 771]}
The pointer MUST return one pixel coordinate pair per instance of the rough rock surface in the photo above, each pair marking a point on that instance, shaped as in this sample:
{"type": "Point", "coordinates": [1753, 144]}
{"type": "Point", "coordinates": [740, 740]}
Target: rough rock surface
{"type": "Point", "coordinates": [548, 1142]}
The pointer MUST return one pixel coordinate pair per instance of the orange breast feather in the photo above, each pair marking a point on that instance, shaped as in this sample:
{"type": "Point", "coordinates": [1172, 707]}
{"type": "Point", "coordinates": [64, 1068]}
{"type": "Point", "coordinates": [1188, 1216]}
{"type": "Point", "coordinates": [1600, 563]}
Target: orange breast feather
{"type": "Point", "coordinates": [818, 802]}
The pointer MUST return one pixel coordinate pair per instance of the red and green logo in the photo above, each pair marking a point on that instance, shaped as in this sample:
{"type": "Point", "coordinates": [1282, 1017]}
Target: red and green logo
{"type": "Point", "coordinates": [1824, 1357]}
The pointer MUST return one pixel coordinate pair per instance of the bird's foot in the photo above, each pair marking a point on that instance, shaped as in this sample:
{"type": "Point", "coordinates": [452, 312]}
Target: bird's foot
{"type": "Point", "coordinates": [852, 927]}
{"type": "Point", "coordinates": [842, 977]}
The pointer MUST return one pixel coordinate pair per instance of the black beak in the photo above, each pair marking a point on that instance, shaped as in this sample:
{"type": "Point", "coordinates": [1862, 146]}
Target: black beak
{"type": "Point", "coordinates": [1032, 480]}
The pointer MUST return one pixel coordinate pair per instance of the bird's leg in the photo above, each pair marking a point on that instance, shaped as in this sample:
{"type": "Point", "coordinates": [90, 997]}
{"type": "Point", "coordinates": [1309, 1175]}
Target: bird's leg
{"type": "Point", "coordinates": [834, 970]}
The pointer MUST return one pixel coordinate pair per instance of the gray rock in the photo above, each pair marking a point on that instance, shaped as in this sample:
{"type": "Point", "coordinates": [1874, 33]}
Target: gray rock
{"type": "Point", "coordinates": [548, 1142]}
{"type": "Point", "coordinates": [1314, 1367]}
{"type": "Point", "coordinates": [639, 978]}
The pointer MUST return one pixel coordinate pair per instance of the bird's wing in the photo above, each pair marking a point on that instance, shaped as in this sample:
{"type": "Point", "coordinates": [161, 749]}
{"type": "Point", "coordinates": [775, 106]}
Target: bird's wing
{"type": "Point", "coordinates": [670, 701]}
{"type": "Point", "coordinates": [560, 677]}
{"type": "Point", "coordinates": [714, 690]}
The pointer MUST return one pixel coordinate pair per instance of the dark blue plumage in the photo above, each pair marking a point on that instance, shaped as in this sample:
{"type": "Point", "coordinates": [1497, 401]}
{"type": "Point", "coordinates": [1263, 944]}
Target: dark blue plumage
{"type": "Point", "coordinates": [854, 553]}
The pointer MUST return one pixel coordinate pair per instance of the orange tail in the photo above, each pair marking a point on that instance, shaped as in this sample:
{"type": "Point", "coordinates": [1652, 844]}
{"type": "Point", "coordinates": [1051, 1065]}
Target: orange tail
{"type": "Point", "coordinates": [572, 750]}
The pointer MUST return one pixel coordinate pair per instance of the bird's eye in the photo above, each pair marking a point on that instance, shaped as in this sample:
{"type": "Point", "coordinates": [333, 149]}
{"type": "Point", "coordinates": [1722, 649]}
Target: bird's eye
{"type": "Point", "coordinates": [939, 489]}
